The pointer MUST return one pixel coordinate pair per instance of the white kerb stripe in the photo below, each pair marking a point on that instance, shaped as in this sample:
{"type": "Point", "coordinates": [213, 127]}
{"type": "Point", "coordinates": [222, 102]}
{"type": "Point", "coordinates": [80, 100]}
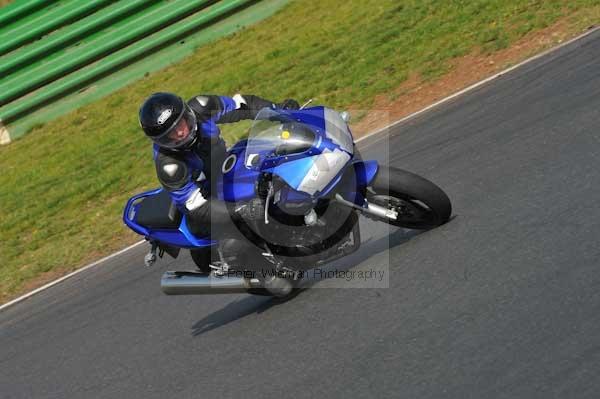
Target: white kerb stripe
{"type": "Point", "coordinates": [4, 136]}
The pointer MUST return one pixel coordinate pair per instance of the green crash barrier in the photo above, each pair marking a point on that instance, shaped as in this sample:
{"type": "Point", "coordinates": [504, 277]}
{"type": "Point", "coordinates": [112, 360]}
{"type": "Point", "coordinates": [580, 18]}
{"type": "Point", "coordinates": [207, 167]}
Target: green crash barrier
{"type": "Point", "coordinates": [114, 61]}
{"type": "Point", "coordinates": [68, 35]}
{"type": "Point", "coordinates": [138, 27]}
{"type": "Point", "coordinates": [13, 11]}
{"type": "Point", "coordinates": [47, 22]}
{"type": "Point", "coordinates": [103, 46]}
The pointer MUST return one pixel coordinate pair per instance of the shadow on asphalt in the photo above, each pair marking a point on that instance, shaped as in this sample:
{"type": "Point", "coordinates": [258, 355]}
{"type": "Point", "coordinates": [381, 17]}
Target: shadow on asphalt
{"type": "Point", "coordinates": [257, 304]}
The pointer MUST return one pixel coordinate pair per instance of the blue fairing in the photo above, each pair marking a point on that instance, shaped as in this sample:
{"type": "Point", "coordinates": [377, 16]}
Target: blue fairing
{"type": "Point", "coordinates": [181, 237]}
{"type": "Point", "coordinates": [237, 184]}
{"type": "Point", "coordinates": [324, 157]}
{"type": "Point", "coordinates": [293, 172]}
{"type": "Point", "coordinates": [308, 149]}
{"type": "Point", "coordinates": [365, 172]}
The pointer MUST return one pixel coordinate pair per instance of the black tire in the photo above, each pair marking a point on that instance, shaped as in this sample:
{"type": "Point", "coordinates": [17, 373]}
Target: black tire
{"type": "Point", "coordinates": [420, 203]}
{"type": "Point", "coordinates": [202, 258]}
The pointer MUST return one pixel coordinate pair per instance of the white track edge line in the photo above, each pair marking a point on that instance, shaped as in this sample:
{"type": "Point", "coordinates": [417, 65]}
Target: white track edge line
{"type": "Point", "coordinates": [413, 115]}
{"type": "Point", "coordinates": [479, 84]}
{"type": "Point", "coordinates": [63, 278]}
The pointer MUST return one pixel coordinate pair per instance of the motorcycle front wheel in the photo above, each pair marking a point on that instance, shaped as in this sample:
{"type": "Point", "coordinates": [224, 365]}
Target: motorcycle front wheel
{"type": "Point", "coordinates": [419, 203]}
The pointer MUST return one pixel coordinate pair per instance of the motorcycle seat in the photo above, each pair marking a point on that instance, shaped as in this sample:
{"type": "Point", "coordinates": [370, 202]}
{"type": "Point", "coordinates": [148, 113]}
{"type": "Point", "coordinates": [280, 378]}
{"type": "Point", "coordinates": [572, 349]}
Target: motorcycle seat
{"type": "Point", "coordinates": [158, 212]}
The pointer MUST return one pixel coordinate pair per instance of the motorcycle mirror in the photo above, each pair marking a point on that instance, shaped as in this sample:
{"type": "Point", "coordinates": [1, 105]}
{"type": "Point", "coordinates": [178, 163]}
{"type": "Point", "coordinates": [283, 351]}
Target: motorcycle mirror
{"type": "Point", "coordinates": [345, 116]}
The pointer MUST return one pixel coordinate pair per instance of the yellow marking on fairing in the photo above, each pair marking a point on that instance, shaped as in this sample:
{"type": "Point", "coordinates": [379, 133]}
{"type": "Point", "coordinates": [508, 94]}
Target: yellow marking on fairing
{"type": "Point", "coordinates": [285, 135]}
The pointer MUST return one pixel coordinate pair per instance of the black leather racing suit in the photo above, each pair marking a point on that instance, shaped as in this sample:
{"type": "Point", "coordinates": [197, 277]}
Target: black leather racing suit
{"type": "Point", "coordinates": [189, 175]}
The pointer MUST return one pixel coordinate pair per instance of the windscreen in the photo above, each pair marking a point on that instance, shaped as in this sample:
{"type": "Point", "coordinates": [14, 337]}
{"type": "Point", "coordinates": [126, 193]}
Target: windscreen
{"type": "Point", "coordinates": [276, 133]}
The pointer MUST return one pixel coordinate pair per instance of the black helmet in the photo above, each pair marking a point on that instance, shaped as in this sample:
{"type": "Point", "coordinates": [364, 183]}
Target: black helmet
{"type": "Point", "coordinates": [168, 121]}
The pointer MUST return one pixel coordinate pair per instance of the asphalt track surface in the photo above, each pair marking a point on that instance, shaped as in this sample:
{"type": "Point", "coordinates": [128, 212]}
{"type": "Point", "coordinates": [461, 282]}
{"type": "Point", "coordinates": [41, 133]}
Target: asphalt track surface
{"type": "Point", "coordinates": [502, 302]}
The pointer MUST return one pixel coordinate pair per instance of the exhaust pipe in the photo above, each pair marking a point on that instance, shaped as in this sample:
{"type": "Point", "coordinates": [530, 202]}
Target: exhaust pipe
{"type": "Point", "coordinates": [372, 209]}
{"type": "Point", "coordinates": [190, 283]}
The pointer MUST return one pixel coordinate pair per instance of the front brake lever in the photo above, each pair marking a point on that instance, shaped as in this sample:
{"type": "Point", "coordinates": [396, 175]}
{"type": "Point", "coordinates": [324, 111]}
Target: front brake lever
{"type": "Point", "coordinates": [269, 195]}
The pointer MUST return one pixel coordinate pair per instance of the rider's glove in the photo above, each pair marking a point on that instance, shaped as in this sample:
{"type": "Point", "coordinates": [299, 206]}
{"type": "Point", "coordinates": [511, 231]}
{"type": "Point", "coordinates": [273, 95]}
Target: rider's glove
{"type": "Point", "coordinates": [252, 210]}
{"type": "Point", "coordinates": [289, 104]}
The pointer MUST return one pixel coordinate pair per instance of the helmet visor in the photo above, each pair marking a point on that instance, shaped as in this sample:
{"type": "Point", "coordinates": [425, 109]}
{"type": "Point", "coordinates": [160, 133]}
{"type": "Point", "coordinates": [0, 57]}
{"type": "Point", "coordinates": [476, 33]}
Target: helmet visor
{"type": "Point", "coordinates": [181, 133]}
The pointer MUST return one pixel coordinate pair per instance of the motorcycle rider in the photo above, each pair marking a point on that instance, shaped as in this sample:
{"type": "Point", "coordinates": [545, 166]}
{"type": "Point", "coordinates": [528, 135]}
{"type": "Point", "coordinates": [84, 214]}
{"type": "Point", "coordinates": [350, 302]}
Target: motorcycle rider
{"type": "Point", "coordinates": [188, 153]}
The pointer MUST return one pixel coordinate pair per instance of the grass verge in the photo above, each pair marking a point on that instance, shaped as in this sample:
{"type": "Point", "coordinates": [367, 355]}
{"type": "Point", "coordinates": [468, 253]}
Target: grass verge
{"type": "Point", "coordinates": [63, 185]}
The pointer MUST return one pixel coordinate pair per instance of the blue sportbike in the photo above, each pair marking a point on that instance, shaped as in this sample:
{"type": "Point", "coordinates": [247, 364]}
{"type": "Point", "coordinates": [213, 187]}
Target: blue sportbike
{"type": "Point", "coordinates": [304, 166]}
